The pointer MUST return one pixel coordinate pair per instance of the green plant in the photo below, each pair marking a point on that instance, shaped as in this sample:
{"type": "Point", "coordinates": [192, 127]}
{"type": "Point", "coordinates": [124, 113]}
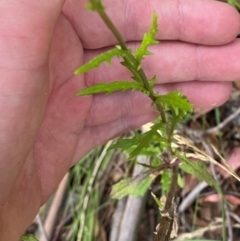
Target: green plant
{"type": "Point", "coordinates": [160, 141]}
{"type": "Point", "coordinates": [234, 3]}
{"type": "Point", "coordinates": [28, 237]}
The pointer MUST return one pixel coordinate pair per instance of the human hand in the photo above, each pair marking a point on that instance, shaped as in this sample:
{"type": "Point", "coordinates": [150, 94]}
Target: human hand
{"type": "Point", "coordinates": [45, 128]}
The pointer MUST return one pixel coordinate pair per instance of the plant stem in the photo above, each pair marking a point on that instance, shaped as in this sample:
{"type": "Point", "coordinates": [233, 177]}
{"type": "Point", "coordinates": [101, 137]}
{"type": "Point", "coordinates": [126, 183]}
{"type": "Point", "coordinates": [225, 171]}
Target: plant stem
{"type": "Point", "coordinates": [164, 230]}
{"type": "Point", "coordinates": [166, 224]}
{"type": "Point", "coordinates": [113, 29]}
{"type": "Point", "coordinates": [131, 59]}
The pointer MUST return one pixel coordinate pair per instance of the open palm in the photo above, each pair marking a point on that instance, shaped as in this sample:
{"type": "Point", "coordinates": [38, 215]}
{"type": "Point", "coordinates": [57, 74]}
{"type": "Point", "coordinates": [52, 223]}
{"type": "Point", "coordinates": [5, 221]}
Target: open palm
{"type": "Point", "coordinates": [45, 128]}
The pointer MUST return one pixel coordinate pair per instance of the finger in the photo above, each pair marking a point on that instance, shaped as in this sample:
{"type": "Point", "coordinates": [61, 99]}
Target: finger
{"type": "Point", "coordinates": [176, 62]}
{"type": "Point", "coordinates": [199, 21]}
{"type": "Point", "coordinates": [129, 104]}
{"type": "Point", "coordinates": [97, 135]}
{"type": "Point", "coordinates": [25, 35]}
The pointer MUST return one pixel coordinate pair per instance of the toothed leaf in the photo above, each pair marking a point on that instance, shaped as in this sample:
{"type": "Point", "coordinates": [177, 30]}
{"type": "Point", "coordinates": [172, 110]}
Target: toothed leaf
{"type": "Point", "coordinates": [198, 169]}
{"type": "Point", "coordinates": [104, 57]}
{"type": "Point", "coordinates": [125, 144]}
{"type": "Point", "coordinates": [152, 81]}
{"type": "Point", "coordinates": [135, 186]}
{"type": "Point", "coordinates": [150, 137]}
{"type": "Point", "coordinates": [176, 102]}
{"type": "Point", "coordinates": [109, 88]}
{"type": "Point", "coordinates": [148, 39]}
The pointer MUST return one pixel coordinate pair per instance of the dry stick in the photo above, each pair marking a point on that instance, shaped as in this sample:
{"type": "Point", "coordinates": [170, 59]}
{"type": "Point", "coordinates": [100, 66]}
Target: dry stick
{"type": "Point", "coordinates": [224, 123]}
{"type": "Point", "coordinates": [235, 216]}
{"type": "Point", "coordinates": [50, 222]}
{"type": "Point", "coordinates": [133, 210]}
{"type": "Point", "coordinates": [199, 232]}
{"type": "Point", "coordinates": [199, 134]}
{"type": "Point", "coordinates": [116, 220]}
{"type": "Point", "coordinates": [189, 199]}
{"type": "Point", "coordinates": [43, 234]}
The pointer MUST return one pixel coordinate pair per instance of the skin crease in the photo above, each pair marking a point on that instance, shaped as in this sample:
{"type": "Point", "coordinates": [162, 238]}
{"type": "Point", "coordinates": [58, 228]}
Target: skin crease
{"type": "Point", "coordinates": [45, 128]}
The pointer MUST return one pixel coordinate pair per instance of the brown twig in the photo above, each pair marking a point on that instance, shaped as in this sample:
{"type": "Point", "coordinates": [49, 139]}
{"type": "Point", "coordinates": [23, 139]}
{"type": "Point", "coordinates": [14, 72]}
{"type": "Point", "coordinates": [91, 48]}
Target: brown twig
{"type": "Point", "coordinates": [198, 134]}
{"type": "Point", "coordinates": [224, 123]}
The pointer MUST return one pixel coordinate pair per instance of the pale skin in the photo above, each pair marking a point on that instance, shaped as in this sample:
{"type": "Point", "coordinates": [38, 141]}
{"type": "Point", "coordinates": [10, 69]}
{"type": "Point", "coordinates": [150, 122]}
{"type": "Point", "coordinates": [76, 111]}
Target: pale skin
{"type": "Point", "coordinates": [45, 128]}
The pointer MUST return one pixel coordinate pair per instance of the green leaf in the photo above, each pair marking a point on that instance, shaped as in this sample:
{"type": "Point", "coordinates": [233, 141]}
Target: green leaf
{"type": "Point", "coordinates": [95, 5]}
{"type": "Point", "coordinates": [148, 39]}
{"type": "Point", "coordinates": [125, 144]}
{"type": "Point", "coordinates": [109, 88]}
{"type": "Point", "coordinates": [135, 186]}
{"type": "Point", "coordinates": [198, 169]}
{"type": "Point", "coordinates": [146, 144]}
{"type": "Point", "coordinates": [234, 3]}
{"type": "Point", "coordinates": [176, 102]}
{"type": "Point", "coordinates": [175, 120]}
{"type": "Point", "coordinates": [152, 81]}
{"type": "Point", "coordinates": [28, 237]}
{"type": "Point", "coordinates": [129, 144]}
{"type": "Point", "coordinates": [149, 137]}
{"type": "Point", "coordinates": [104, 57]}
{"type": "Point", "coordinates": [180, 181]}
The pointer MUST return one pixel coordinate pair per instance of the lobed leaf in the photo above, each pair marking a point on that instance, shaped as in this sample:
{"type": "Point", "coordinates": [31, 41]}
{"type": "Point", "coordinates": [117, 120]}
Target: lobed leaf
{"type": "Point", "coordinates": [104, 57]}
{"type": "Point", "coordinates": [176, 102]}
{"type": "Point", "coordinates": [149, 137]}
{"type": "Point", "coordinates": [126, 143]}
{"type": "Point", "coordinates": [135, 186]}
{"type": "Point", "coordinates": [175, 120]}
{"type": "Point", "coordinates": [198, 169]}
{"type": "Point", "coordinates": [148, 39]}
{"type": "Point", "coordinates": [109, 88]}
{"type": "Point", "coordinates": [149, 143]}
